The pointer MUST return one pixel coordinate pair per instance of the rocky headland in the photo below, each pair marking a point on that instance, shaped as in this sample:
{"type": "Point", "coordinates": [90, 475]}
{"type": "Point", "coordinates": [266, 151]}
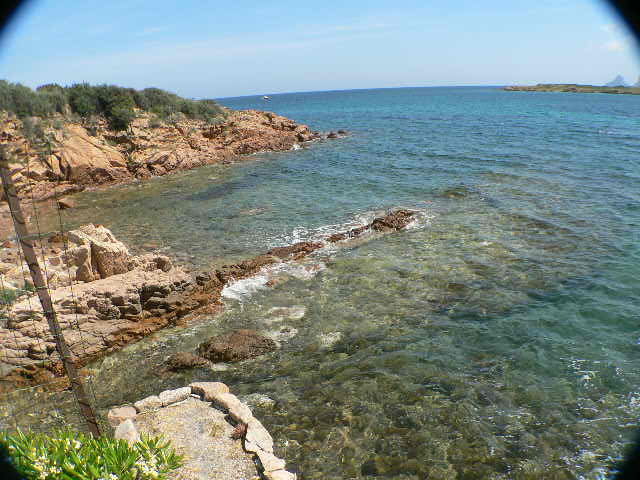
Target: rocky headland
{"type": "Point", "coordinates": [573, 88]}
{"type": "Point", "coordinates": [105, 298]}
{"type": "Point", "coordinates": [82, 155]}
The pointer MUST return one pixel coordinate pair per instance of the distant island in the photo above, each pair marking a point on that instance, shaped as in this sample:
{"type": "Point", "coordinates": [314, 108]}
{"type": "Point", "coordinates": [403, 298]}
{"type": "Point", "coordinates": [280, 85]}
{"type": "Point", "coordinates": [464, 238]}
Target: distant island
{"type": "Point", "coordinates": [575, 88]}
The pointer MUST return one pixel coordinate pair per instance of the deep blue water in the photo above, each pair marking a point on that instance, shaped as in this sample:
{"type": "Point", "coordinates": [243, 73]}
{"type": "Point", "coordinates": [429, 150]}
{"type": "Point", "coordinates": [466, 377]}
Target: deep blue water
{"type": "Point", "coordinates": [497, 338]}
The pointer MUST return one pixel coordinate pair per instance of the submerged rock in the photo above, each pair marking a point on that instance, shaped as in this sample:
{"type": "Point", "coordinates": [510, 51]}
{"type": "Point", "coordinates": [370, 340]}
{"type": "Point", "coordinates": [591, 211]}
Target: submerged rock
{"type": "Point", "coordinates": [236, 346]}
{"type": "Point", "coordinates": [458, 191]}
{"type": "Point", "coordinates": [65, 203]}
{"type": "Point", "coordinates": [184, 360]}
{"type": "Point", "coordinates": [259, 400]}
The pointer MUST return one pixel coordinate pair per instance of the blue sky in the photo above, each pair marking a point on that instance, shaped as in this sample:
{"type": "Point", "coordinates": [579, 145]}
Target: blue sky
{"type": "Point", "coordinates": [216, 49]}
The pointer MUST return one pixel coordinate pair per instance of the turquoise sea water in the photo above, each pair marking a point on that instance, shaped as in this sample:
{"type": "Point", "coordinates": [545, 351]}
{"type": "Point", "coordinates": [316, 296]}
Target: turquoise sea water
{"type": "Point", "coordinates": [497, 338]}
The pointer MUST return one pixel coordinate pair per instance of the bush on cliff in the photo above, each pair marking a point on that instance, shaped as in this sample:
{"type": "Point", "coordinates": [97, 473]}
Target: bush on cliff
{"type": "Point", "coordinates": [24, 102]}
{"type": "Point", "coordinates": [117, 104]}
{"type": "Point", "coordinates": [75, 456]}
{"type": "Point", "coordinates": [82, 99]}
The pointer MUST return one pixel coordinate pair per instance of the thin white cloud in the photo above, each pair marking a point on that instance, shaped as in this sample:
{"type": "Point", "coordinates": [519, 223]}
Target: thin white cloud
{"type": "Point", "coordinates": [160, 52]}
{"type": "Point", "coordinates": [616, 38]}
{"type": "Point", "coordinates": [609, 28]}
{"type": "Point", "coordinates": [151, 30]}
{"type": "Point", "coordinates": [614, 46]}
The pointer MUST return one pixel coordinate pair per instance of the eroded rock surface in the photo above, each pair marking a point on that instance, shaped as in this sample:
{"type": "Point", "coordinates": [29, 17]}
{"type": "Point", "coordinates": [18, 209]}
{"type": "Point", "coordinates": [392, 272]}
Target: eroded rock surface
{"type": "Point", "coordinates": [103, 297]}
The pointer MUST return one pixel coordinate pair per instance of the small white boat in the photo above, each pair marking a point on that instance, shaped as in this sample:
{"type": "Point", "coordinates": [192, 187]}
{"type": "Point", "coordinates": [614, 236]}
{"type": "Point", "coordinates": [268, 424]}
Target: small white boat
{"type": "Point", "coordinates": [266, 97]}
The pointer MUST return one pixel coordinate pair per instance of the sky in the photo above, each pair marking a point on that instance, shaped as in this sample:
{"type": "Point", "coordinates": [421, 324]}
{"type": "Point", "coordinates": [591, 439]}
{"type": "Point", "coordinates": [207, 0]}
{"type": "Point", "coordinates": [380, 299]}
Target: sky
{"type": "Point", "coordinates": [207, 49]}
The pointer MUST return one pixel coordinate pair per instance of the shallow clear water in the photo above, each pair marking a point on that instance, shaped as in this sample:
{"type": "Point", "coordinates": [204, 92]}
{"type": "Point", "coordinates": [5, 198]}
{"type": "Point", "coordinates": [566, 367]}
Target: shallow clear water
{"type": "Point", "coordinates": [495, 338]}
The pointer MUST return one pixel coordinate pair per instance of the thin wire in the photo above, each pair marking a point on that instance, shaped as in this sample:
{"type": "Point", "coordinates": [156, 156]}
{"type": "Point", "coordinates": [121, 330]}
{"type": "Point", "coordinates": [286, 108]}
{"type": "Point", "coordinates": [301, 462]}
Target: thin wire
{"type": "Point", "coordinates": [48, 361]}
{"type": "Point", "coordinates": [20, 264]}
{"type": "Point", "coordinates": [65, 245]}
{"type": "Point", "coordinates": [11, 330]}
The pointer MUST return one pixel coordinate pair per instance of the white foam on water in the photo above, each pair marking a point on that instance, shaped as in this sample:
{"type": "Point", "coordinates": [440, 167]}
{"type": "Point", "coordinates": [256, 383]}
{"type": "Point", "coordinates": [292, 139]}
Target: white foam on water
{"type": "Point", "coordinates": [240, 290]}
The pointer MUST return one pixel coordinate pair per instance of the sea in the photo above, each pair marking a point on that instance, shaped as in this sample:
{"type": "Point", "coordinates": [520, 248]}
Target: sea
{"type": "Point", "coordinates": [497, 337]}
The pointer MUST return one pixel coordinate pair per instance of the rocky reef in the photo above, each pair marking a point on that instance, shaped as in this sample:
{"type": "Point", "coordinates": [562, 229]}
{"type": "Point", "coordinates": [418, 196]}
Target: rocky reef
{"type": "Point", "coordinates": [105, 298]}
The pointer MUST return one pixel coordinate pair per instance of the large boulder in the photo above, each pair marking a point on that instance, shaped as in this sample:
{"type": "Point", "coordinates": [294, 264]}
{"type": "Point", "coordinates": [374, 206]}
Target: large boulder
{"type": "Point", "coordinates": [236, 346]}
{"type": "Point", "coordinates": [97, 253]}
{"type": "Point", "coordinates": [86, 159]}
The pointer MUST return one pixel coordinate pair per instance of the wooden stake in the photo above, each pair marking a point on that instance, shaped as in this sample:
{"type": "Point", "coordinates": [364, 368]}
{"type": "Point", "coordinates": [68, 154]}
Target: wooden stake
{"type": "Point", "coordinates": [22, 235]}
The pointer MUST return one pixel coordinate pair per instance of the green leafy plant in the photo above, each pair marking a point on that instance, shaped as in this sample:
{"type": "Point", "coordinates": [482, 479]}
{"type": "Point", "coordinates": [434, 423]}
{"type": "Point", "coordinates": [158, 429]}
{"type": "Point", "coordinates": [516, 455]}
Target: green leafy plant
{"type": "Point", "coordinates": [8, 297]}
{"type": "Point", "coordinates": [68, 455]}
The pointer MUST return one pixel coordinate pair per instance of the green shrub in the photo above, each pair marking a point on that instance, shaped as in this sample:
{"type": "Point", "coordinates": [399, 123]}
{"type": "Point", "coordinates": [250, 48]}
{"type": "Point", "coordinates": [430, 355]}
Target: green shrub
{"type": "Point", "coordinates": [8, 297]}
{"type": "Point", "coordinates": [155, 122]}
{"type": "Point", "coordinates": [24, 102]}
{"type": "Point", "coordinates": [120, 116]}
{"type": "Point", "coordinates": [82, 99]}
{"type": "Point", "coordinates": [115, 103]}
{"type": "Point", "coordinates": [32, 129]}
{"type": "Point", "coordinates": [68, 455]}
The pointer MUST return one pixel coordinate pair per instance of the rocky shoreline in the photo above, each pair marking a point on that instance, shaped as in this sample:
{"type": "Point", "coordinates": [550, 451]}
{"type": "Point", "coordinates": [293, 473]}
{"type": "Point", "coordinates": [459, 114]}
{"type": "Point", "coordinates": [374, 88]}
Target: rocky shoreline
{"type": "Point", "coordinates": [573, 88]}
{"type": "Point", "coordinates": [106, 298]}
{"type": "Point", "coordinates": [88, 156]}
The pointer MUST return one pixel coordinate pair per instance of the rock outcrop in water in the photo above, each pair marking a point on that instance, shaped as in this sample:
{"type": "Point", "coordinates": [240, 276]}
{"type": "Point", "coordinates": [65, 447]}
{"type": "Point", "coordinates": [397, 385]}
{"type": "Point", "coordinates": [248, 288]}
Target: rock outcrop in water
{"type": "Point", "coordinates": [184, 361]}
{"type": "Point", "coordinates": [396, 220]}
{"type": "Point", "coordinates": [106, 298]}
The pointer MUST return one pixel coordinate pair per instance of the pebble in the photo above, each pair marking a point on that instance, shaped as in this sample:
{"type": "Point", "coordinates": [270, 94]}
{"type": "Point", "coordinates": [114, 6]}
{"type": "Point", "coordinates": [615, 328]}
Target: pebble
{"type": "Point", "coordinates": [127, 431]}
{"type": "Point", "coordinates": [150, 403]}
{"type": "Point", "coordinates": [208, 390]}
{"type": "Point", "coordinates": [173, 396]}
{"type": "Point", "coordinates": [118, 415]}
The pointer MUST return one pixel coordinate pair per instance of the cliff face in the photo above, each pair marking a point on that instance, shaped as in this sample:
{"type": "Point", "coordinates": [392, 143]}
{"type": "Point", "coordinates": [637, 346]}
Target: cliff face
{"type": "Point", "coordinates": [82, 156]}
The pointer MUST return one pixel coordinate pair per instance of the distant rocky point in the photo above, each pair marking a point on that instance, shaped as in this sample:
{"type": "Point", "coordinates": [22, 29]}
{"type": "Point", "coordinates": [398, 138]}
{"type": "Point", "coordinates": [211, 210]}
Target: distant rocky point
{"type": "Point", "coordinates": [617, 82]}
{"type": "Point", "coordinates": [575, 88]}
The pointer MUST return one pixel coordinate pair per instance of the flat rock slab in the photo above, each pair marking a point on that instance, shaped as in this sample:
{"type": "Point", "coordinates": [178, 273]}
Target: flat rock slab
{"type": "Point", "coordinates": [203, 436]}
